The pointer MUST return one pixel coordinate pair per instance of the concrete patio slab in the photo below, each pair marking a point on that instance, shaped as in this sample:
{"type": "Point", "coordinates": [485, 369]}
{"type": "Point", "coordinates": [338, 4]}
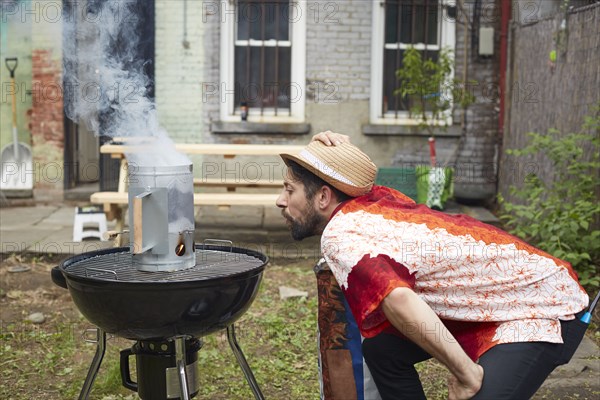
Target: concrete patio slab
{"type": "Point", "coordinates": [12, 218]}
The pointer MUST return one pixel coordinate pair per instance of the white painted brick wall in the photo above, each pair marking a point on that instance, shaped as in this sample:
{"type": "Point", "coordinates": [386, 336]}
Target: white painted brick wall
{"type": "Point", "coordinates": [338, 70]}
{"type": "Point", "coordinates": [338, 51]}
{"type": "Point", "coordinates": [338, 47]}
{"type": "Point", "coordinates": [179, 71]}
{"type": "Point", "coordinates": [46, 24]}
{"type": "Point", "coordinates": [211, 65]}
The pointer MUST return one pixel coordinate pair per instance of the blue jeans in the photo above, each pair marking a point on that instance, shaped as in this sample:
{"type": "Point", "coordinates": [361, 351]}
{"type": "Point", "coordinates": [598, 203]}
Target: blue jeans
{"type": "Point", "coordinates": [511, 370]}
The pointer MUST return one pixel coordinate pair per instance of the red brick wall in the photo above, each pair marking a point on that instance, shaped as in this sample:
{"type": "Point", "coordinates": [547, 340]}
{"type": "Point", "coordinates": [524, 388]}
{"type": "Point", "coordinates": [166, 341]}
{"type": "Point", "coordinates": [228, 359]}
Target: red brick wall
{"type": "Point", "coordinates": [47, 122]}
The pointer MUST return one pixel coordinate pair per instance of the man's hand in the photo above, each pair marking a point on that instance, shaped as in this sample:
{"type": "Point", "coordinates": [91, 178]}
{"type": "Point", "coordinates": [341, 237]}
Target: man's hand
{"type": "Point", "coordinates": [466, 387]}
{"type": "Point", "coordinates": [331, 138]}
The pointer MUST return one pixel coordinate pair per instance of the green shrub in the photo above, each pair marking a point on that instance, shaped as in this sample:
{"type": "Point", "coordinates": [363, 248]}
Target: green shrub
{"type": "Point", "coordinates": [428, 85]}
{"type": "Point", "coordinates": [561, 217]}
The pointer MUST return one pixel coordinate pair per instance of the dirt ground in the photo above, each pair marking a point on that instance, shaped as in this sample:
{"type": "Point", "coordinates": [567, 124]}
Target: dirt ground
{"type": "Point", "coordinates": [50, 360]}
{"type": "Point", "coordinates": [33, 290]}
{"type": "Point", "coordinates": [21, 295]}
{"type": "Point", "coordinates": [57, 353]}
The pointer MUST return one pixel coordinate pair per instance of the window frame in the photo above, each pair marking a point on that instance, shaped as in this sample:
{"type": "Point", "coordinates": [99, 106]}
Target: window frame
{"type": "Point", "coordinates": [227, 112]}
{"type": "Point", "coordinates": [448, 40]}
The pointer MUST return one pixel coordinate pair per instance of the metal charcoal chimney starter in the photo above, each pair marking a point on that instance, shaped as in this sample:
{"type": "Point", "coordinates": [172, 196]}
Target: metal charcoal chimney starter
{"type": "Point", "coordinates": [161, 217]}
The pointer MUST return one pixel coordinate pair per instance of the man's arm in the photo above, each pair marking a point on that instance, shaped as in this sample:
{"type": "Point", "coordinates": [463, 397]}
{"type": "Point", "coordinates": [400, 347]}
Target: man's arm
{"type": "Point", "coordinates": [408, 313]}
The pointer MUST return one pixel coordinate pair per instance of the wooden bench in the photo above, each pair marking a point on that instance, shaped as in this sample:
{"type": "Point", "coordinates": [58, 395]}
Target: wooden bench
{"type": "Point", "coordinates": [232, 185]}
{"type": "Point", "coordinates": [114, 202]}
{"type": "Point", "coordinates": [200, 199]}
{"type": "Point", "coordinates": [226, 150]}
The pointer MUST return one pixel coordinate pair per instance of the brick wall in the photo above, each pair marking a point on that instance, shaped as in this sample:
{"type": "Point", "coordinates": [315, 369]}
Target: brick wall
{"type": "Point", "coordinates": [47, 122]}
{"type": "Point", "coordinates": [338, 72]}
{"type": "Point", "coordinates": [337, 56]}
{"type": "Point", "coordinates": [47, 112]}
{"type": "Point", "coordinates": [477, 158]}
{"type": "Point", "coordinates": [32, 31]}
{"type": "Point", "coordinates": [338, 48]}
{"type": "Point", "coordinates": [179, 69]}
{"type": "Point", "coordinates": [474, 153]}
{"type": "Point", "coordinates": [212, 35]}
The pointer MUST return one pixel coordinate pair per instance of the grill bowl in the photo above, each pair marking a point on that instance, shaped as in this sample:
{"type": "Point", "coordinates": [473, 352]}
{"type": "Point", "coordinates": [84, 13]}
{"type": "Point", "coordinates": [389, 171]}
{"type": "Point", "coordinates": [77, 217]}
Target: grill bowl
{"type": "Point", "coordinates": [149, 305]}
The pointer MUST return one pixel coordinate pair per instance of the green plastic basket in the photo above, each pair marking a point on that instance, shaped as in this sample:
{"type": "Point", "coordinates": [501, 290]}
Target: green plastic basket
{"type": "Point", "coordinates": [403, 179]}
{"type": "Point", "coordinates": [423, 184]}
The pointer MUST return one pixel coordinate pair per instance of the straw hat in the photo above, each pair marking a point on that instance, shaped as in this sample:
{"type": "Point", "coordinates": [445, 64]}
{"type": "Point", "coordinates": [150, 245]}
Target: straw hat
{"type": "Point", "coordinates": [344, 166]}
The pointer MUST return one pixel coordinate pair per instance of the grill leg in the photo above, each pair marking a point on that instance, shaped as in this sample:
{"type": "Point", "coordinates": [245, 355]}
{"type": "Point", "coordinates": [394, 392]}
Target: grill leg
{"type": "Point", "coordinates": [243, 363]}
{"type": "Point", "coordinates": [93, 371]}
{"type": "Point", "coordinates": [180, 358]}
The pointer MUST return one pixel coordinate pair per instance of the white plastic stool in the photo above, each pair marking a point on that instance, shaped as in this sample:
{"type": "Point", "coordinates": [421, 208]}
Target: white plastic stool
{"type": "Point", "coordinates": [87, 215]}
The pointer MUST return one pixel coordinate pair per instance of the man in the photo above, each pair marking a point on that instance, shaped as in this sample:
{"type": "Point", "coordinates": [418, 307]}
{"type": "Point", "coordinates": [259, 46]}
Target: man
{"type": "Point", "coordinates": [497, 312]}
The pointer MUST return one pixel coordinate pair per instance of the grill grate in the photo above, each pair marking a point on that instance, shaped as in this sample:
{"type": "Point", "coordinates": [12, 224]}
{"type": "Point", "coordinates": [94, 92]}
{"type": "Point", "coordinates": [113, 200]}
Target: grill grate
{"type": "Point", "coordinates": [118, 266]}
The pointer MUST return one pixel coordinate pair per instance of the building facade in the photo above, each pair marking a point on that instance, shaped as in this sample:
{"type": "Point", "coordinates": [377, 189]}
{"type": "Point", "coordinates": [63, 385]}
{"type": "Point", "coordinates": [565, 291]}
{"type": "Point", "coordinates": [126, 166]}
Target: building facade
{"type": "Point", "coordinates": [273, 71]}
{"type": "Point", "coordinates": [333, 69]}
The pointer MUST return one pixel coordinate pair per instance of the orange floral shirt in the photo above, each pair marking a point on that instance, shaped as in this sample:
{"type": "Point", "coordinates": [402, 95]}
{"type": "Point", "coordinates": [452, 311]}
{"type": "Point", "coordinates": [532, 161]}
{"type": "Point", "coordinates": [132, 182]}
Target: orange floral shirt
{"type": "Point", "coordinates": [487, 286]}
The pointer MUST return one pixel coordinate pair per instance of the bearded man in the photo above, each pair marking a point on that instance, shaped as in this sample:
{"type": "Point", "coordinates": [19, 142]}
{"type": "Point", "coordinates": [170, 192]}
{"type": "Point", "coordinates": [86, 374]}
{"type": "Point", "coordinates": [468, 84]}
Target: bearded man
{"type": "Point", "coordinates": [499, 313]}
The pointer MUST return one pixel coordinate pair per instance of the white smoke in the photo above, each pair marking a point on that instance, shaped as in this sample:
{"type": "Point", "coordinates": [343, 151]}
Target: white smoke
{"type": "Point", "coordinates": [105, 84]}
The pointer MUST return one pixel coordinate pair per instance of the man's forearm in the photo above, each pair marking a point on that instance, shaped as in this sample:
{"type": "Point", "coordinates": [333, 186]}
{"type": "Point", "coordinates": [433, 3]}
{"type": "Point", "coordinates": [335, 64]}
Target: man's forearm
{"type": "Point", "coordinates": [416, 320]}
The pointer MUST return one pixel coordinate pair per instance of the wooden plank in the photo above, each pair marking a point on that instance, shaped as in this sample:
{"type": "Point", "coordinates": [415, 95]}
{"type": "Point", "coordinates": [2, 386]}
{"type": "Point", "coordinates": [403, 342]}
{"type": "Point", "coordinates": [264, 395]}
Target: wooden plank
{"type": "Point", "coordinates": [108, 198]}
{"type": "Point", "coordinates": [133, 139]}
{"type": "Point", "coordinates": [122, 187]}
{"type": "Point", "coordinates": [138, 241]}
{"type": "Point", "coordinates": [261, 183]}
{"type": "Point", "coordinates": [209, 149]}
{"type": "Point", "coordinates": [540, 94]}
{"type": "Point", "coordinates": [200, 199]}
{"type": "Point", "coordinates": [238, 149]}
{"type": "Point", "coordinates": [233, 199]}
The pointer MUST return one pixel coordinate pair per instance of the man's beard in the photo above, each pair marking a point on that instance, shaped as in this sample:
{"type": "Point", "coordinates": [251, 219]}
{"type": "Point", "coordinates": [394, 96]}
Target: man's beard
{"type": "Point", "coordinates": [310, 227]}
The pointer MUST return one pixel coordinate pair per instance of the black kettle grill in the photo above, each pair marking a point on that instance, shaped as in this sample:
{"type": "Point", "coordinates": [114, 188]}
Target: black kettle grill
{"type": "Point", "coordinates": [164, 311]}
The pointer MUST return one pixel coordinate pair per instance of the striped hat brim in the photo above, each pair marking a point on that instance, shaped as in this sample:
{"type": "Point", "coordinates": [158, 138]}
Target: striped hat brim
{"type": "Point", "coordinates": [344, 166]}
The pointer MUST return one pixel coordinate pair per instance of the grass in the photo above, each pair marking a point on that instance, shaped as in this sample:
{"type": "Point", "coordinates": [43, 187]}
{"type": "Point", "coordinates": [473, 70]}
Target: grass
{"type": "Point", "coordinates": [38, 359]}
{"type": "Point", "coordinates": [50, 361]}
{"type": "Point", "coordinates": [278, 338]}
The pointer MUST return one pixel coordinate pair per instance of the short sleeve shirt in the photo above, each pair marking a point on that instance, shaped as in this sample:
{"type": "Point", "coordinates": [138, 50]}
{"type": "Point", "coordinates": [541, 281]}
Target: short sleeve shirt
{"type": "Point", "coordinates": [487, 286]}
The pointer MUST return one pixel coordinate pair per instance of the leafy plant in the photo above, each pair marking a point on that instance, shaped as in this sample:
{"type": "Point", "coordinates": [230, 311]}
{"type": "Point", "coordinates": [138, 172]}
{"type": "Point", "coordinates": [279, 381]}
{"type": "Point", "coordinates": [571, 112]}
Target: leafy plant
{"type": "Point", "coordinates": [562, 216]}
{"type": "Point", "coordinates": [428, 86]}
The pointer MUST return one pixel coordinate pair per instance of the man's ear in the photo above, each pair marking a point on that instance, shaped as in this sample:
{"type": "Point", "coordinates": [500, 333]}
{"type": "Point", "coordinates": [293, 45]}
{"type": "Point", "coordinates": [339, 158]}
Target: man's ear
{"type": "Point", "coordinates": [325, 198]}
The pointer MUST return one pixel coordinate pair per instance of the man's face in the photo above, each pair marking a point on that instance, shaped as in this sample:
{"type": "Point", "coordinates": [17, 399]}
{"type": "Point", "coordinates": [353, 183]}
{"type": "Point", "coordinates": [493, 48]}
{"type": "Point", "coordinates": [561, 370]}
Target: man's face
{"type": "Point", "coordinates": [300, 213]}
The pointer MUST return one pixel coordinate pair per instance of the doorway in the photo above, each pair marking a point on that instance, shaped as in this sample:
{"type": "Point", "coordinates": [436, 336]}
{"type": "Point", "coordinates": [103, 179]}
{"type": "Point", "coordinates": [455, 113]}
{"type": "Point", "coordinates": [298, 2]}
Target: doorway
{"type": "Point", "coordinates": [86, 170]}
{"type": "Point", "coordinates": [82, 161]}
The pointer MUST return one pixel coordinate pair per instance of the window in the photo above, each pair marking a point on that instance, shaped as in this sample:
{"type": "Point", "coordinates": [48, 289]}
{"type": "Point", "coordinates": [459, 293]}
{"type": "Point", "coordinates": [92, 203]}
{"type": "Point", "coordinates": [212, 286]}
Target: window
{"type": "Point", "coordinates": [398, 25]}
{"type": "Point", "coordinates": [263, 60]}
